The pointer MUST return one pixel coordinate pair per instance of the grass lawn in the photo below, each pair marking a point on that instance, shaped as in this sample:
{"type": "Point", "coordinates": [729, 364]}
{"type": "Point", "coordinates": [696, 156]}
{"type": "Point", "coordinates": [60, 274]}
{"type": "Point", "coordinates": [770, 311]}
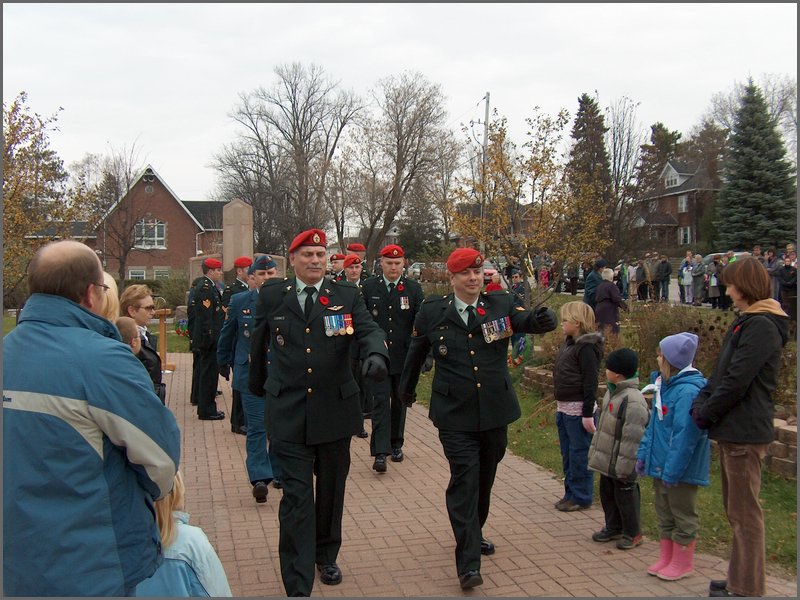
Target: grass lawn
{"type": "Point", "coordinates": [534, 437]}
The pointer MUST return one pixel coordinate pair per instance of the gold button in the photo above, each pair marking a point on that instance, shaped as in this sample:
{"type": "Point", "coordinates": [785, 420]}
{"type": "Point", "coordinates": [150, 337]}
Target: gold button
{"type": "Point", "coordinates": [472, 352]}
{"type": "Point", "coordinates": [309, 370]}
{"type": "Point", "coordinates": [390, 342]}
{"type": "Point", "coordinates": [479, 385]}
{"type": "Point", "coordinates": [474, 368]}
{"type": "Point", "coordinates": [308, 350]}
{"type": "Point", "coordinates": [469, 336]}
{"type": "Point", "coordinates": [308, 330]}
{"type": "Point", "coordinates": [310, 390]}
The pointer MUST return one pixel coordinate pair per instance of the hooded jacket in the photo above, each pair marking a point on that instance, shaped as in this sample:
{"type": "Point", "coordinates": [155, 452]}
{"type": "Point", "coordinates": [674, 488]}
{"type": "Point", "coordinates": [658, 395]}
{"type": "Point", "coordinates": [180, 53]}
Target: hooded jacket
{"type": "Point", "coordinates": [88, 447]}
{"type": "Point", "coordinates": [623, 418]}
{"type": "Point", "coordinates": [737, 402]}
{"type": "Point", "coordinates": [673, 448]}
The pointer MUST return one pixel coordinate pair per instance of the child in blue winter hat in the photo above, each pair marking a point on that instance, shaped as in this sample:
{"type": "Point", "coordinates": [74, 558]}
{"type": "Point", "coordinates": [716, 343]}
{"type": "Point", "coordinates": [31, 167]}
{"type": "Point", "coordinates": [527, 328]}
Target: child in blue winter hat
{"type": "Point", "coordinates": [676, 454]}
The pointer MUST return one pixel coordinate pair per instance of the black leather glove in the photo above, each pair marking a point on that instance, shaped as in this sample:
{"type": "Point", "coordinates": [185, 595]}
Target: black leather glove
{"type": "Point", "coordinates": [544, 320]}
{"type": "Point", "coordinates": [408, 399]}
{"type": "Point", "coordinates": [698, 420]}
{"type": "Point", "coordinates": [428, 364]}
{"type": "Point", "coordinates": [225, 371]}
{"type": "Point", "coordinates": [374, 368]}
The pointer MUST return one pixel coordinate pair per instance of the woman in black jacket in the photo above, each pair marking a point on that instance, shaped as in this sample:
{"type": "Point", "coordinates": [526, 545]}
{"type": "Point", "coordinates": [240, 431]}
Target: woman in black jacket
{"type": "Point", "coordinates": [736, 407]}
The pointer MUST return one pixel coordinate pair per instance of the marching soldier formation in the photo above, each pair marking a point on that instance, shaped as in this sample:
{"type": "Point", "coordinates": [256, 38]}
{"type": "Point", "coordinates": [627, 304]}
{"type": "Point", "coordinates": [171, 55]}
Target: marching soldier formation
{"type": "Point", "coordinates": [314, 354]}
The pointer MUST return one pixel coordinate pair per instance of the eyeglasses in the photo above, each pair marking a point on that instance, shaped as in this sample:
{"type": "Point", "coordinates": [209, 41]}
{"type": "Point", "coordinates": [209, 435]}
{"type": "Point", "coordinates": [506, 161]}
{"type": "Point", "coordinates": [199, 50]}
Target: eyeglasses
{"type": "Point", "coordinates": [149, 307]}
{"type": "Point", "coordinates": [102, 285]}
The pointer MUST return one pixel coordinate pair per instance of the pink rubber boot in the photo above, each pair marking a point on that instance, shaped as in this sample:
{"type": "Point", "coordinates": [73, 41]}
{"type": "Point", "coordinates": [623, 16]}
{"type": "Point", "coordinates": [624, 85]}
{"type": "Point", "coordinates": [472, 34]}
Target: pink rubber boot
{"type": "Point", "coordinates": [682, 563]}
{"type": "Point", "coordinates": [664, 557]}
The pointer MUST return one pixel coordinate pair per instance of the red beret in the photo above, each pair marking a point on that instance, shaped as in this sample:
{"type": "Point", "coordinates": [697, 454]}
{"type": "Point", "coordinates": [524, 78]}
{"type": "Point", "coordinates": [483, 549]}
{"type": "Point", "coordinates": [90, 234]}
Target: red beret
{"type": "Point", "coordinates": [312, 237]}
{"type": "Point", "coordinates": [356, 247]}
{"type": "Point", "coordinates": [212, 263]}
{"type": "Point", "coordinates": [463, 258]}
{"type": "Point", "coordinates": [243, 262]}
{"type": "Point", "coordinates": [351, 259]}
{"type": "Point", "coordinates": [337, 257]}
{"type": "Point", "coordinates": [392, 251]}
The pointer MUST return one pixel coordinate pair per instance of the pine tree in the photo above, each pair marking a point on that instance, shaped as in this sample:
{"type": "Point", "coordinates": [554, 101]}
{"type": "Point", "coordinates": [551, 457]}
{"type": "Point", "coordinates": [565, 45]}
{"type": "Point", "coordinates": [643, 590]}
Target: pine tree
{"type": "Point", "coordinates": [758, 199]}
{"type": "Point", "coordinates": [588, 169]}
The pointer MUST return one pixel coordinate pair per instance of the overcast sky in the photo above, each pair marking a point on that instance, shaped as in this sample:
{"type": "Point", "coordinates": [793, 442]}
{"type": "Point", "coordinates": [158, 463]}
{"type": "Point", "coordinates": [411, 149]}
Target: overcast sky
{"type": "Point", "coordinates": [166, 76]}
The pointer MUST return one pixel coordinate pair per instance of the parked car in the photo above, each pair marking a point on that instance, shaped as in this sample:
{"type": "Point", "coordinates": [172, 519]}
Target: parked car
{"type": "Point", "coordinates": [435, 272]}
{"type": "Point", "coordinates": [709, 257]}
{"type": "Point", "coordinates": [415, 270]}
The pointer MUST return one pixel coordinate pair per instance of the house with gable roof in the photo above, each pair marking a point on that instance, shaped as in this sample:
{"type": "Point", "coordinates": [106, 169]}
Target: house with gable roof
{"type": "Point", "coordinates": [672, 213]}
{"type": "Point", "coordinates": [153, 233]}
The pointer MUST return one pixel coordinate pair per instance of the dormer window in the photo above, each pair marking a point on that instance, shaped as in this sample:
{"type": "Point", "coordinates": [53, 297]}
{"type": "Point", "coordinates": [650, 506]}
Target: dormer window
{"type": "Point", "coordinates": [149, 234]}
{"type": "Point", "coordinates": [671, 180]}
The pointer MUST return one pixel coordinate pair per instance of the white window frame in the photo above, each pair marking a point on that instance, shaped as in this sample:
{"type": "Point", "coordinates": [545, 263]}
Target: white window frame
{"type": "Point", "coordinates": [161, 272]}
{"type": "Point", "coordinates": [137, 273]}
{"type": "Point", "coordinates": [149, 234]}
{"type": "Point", "coordinates": [684, 235]}
{"type": "Point", "coordinates": [671, 181]}
{"type": "Point", "coordinates": [683, 203]}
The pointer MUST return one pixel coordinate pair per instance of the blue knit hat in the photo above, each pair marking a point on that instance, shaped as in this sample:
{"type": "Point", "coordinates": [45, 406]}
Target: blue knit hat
{"type": "Point", "coordinates": [679, 349]}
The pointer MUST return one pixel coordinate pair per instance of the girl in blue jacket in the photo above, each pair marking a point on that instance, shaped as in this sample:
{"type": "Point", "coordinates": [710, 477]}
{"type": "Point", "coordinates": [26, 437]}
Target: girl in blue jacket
{"type": "Point", "coordinates": [676, 454]}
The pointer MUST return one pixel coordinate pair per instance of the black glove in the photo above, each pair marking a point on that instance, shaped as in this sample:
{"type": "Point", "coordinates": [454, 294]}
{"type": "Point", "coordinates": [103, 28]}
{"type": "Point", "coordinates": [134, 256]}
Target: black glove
{"type": "Point", "coordinates": [698, 420]}
{"type": "Point", "coordinates": [408, 399]}
{"type": "Point", "coordinates": [374, 368]}
{"type": "Point", "coordinates": [255, 389]}
{"type": "Point", "coordinates": [225, 371]}
{"type": "Point", "coordinates": [544, 320]}
{"type": "Point", "coordinates": [428, 364]}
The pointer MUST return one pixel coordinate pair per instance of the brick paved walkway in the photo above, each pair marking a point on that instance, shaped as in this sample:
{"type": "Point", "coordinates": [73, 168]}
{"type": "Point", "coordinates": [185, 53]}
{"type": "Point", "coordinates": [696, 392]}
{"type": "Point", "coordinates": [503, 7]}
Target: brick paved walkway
{"type": "Point", "coordinates": [397, 538]}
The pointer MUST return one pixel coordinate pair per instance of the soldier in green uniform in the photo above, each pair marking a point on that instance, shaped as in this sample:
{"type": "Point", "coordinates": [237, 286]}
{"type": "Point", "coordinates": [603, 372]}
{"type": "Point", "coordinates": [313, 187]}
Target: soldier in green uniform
{"type": "Point", "coordinates": [189, 328]}
{"type": "Point", "coordinates": [361, 251]}
{"type": "Point", "coordinates": [207, 322]}
{"type": "Point", "coordinates": [309, 324]}
{"type": "Point", "coordinates": [472, 397]}
{"type": "Point", "coordinates": [337, 267]}
{"type": "Point", "coordinates": [394, 301]}
{"type": "Point", "coordinates": [241, 264]}
{"type": "Point", "coordinates": [352, 269]}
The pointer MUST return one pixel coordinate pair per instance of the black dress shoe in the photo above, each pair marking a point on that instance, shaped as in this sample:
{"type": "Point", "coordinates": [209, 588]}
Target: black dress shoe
{"type": "Point", "coordinates": [260, 491]}
{"type": "Point", "coordinates": [380, 463]}
{"type": "Point", "coordinates": [242, 430]}
{"type": "Point", "coordinates": [219, 393]}
{"type": "Point", "coordinates": [718, 584]}
{"type": "Point", "coordinates": [217, 417]}
{"type": "Point", "coordinates": [487, 547]}
{"type": "Point", "coordinates": [723, 593]}
{"type": "Point", "coordinates": [276, 483]}
{"type": "Point", "coordinates": [330, 574]}
{"type": "Point", "coordinates": [363, 434]}
{"type": "Point", "coordinates": [470, 579]}
{"type": "Point", "coordinates": [397, 455]}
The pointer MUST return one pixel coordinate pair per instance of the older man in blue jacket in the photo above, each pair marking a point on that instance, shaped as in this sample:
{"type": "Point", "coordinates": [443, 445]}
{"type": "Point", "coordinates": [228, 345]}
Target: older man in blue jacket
{"type": "Point", "coordinates": [87, 445]}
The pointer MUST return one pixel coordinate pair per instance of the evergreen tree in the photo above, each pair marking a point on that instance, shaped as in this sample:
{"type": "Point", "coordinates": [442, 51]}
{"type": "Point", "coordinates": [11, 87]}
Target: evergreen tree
{"type": "Point", "coordinates": [758, 199]}
{"type": "Point", "coordinates": [662, 147]}
{"type": "Point", "coordinates": [588, 169]}
{"type": "Point", "coordinates": [707, 147]}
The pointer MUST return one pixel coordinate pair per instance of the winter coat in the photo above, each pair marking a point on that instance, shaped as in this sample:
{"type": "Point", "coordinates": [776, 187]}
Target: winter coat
{"type": "Point", "coordinates": [620, 427]}
{"type": "Point", "coordinates": [737, 402]}
{"type": "Point", "coordinates": [608, 301]}
{"type": "Point", "coordinates": [673, 448]}
{"type": "Point", "coordinates": [576, 370]}
{"type": "Point", "coordinates": [698, 281]}
{"type": "Point", "coordinates": [88, 448]}
{"type": "Point", "coordinates": [663, 271]}
{"type": "Point", "coordinates": [714, 272]}
{"type": "Point", "coordinates": [593, 279]}
{"type": "Point", "coordinates": [191, 567]}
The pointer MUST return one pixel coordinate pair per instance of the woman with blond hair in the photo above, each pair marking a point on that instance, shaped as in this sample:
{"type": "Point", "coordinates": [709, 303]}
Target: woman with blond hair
{"type": "Point", "coordinates": [191, 566]}
{"type": "Point", "coordinates": [110, 307]}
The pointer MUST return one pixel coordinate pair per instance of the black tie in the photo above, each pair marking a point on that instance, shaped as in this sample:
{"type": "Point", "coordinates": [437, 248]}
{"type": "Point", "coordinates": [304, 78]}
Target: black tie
{"type": "Point", "coordinates": [391, 289]}
{"type": "Point", "coordinates": [309, 290]}
{"type": "Point", "coordinates": [471, 317]}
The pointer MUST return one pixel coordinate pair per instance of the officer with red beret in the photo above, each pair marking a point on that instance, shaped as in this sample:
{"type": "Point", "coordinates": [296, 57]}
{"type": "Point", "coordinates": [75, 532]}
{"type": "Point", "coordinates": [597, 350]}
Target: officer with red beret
{"type": "Point", "coordinates": [361, 251]}
{"type": "Point", "coordinates": [394, 300]}
{"type": "Point", "coordinates": [241, 264]}
{"type": "Point", "coordinates": [309, 324]}
{"type": "Point", "coordinates": [472, 397]}
{"type": "Point", "coordinates": [206, 306]}
{"type": "Point", "coordinates": [337, 266]}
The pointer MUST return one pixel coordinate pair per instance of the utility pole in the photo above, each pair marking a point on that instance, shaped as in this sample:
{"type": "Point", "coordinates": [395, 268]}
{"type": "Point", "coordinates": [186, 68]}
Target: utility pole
{"type": "Point", "coordinates": [484, 164]}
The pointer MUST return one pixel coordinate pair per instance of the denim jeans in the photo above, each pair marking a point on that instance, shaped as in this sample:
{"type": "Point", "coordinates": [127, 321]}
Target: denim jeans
{"type": "Point", "coordinates": [260, 465]}
{"type": "Point", "coordinates": [574, 441]}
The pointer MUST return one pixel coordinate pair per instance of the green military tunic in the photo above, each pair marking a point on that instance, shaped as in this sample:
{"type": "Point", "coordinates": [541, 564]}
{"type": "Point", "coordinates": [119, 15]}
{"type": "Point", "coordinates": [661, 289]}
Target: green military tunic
{"type": "Point", "coordinates": [207, 323]}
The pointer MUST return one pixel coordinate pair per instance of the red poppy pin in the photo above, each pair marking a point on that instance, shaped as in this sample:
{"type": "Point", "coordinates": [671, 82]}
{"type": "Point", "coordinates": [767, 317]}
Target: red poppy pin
{"type": "Point", "coordinates": [400, 287]}
{"type": "Point", "coordinates": [737, 328]}
{"type": "Point", "coordinates": [480, 311]}
{"type": "Point", "coordinates": [610, 407]}
{"type": "Point", "coordinates": [324, 300]}
{"type": "Point", "coordinates": [664, 410]}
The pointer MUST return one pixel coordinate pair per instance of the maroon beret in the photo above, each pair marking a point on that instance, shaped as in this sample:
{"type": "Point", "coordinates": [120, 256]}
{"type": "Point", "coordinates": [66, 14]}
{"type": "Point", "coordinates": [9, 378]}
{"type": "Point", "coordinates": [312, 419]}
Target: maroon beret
{"type": "Point", "coordinates": [311, 237]}
{"type": "Point", "coordinates": [464, 258]}
{"type": "Point", "coordinates": [356, 247]}
{"type": "Point", "coordinates": [352, 259]}
{"type": "Point", "coordinates": [243, 262]}
{"type": "Point", "coordinates": [392, 251]}
{"type": "Point", "coordinates": [335, 257]}
{"type": "Point", "coordinates": [212, 263]}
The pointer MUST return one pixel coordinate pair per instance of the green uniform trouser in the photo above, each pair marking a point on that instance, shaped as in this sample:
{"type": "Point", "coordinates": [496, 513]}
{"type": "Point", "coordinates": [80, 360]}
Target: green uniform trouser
{"type": "Point", "coordinates": [676, 509]}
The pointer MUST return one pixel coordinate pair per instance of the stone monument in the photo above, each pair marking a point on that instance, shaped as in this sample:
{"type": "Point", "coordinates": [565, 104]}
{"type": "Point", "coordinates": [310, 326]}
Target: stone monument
{"type": "Point", "coordinates": [237, 232]}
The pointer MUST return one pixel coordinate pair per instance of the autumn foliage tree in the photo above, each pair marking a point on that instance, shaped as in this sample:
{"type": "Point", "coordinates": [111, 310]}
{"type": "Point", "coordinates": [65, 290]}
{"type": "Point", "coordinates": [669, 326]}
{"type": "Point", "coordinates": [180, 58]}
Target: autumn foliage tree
{"type": "Point", "coordinates": [36, 208]}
